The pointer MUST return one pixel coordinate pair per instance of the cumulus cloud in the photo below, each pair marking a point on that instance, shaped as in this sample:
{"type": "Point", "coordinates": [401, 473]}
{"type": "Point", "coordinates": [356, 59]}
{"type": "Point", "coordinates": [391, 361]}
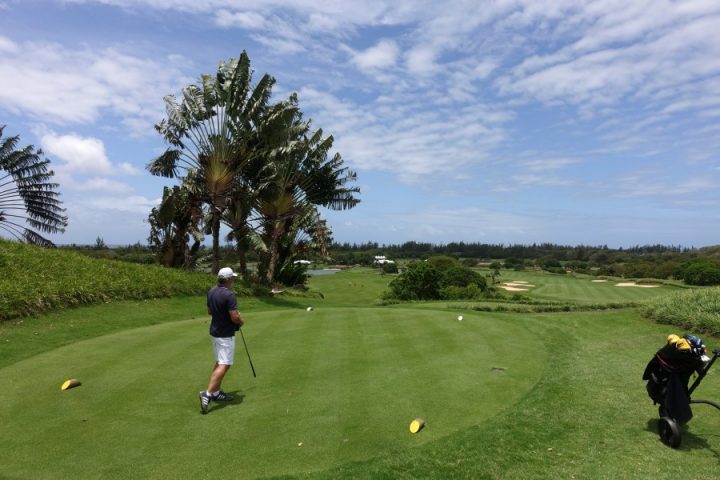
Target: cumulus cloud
{"type": "Point", "coordinates": [383, 55]}
{"type": "Point", "coordinates": [83, 155]}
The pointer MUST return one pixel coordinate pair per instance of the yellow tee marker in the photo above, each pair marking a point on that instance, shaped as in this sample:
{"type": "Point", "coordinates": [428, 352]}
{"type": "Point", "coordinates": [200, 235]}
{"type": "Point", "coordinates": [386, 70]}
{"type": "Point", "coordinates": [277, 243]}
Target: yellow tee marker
{"type": "Point", "coordinates": [72, 383]}
{"type": "Point", "coordinates": [417, 425]}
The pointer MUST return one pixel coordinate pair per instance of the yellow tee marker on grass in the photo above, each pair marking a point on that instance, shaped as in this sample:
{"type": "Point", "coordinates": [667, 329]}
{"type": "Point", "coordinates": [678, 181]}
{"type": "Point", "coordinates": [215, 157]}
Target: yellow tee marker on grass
{"type": "Point", "coordinates": [417, 425]}
{"type": "Point", "coordinates": [72, 383]}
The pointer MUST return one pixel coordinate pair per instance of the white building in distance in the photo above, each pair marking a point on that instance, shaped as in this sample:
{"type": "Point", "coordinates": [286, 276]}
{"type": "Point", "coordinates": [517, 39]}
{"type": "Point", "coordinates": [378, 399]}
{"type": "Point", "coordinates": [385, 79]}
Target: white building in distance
{"type": "Point", "coordinates": [382, 259]}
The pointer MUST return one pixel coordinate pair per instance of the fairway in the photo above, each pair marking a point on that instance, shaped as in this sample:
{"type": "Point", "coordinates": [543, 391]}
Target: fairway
{"type": "Point", "coordinates": [333, 385]}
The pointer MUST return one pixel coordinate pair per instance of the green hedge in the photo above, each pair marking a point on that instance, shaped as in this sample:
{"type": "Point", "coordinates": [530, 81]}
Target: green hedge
{"type": "Point", "coordinates": [35, 280]}
{"type": "Point", "coordinates": [696, 310]}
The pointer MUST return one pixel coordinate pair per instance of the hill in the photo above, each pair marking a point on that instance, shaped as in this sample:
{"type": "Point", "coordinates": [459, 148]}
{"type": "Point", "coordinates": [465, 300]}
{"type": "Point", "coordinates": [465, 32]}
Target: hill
{"type": "Point", "coordinates": [36, 280]}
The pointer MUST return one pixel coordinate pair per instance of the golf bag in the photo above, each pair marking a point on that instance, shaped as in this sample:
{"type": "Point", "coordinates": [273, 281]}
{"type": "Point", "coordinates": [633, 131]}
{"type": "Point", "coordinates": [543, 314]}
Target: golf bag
{"type": "Point", "coordinates": [668, 374]}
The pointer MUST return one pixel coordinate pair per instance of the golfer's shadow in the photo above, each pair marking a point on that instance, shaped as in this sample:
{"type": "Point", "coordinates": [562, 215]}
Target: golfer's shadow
{"type": "Point", "coordinates": [238, 397]}
{"type": "Point", "coordinates": [690, 441]}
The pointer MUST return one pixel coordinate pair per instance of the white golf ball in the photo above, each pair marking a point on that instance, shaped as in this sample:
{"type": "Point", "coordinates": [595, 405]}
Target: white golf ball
{"type": "Point", "coordinates": [460, 317]}
{"type": "Point", "coordinates": [309, 309]}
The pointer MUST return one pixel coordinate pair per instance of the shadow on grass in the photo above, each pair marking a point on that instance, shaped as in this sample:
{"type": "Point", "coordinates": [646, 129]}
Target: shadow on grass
{"type": "Point", "coordinates": [690, 441]}
{"type": "Point", "coordinates": [282, 302]}
{"type": "Point", "coordinates": [238, 395]}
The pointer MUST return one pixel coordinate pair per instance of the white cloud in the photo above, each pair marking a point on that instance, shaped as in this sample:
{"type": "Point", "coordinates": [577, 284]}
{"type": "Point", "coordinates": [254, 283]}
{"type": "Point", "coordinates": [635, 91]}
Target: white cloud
{"type": "Point", "coordinates": [383, 55]}
{"type": "Point", "coordinates": [421, 60]}
{"type": "Point", "coordinates": [129, 169]}
{"type": "Point", "coordinates": [133, 203]}
{"type": "Point", "coordinates": [62, 86]}
{"type": "Point", "coordinates": [540, 165]}
{"type": "Point", "coordinates": [247, 20]}
{"type": "Point", "coordinates": [280, 45]}
{"type": "Point", "coordinates": [405, 139]}
{"type": "Point", "coordinates": [7, 45]}
{"type": "Point", "coordinates": [104, 185]}
{"type": "Point", "coordinates": [648, 185]}
{"type": "Point", "coordinates": [82, 155]}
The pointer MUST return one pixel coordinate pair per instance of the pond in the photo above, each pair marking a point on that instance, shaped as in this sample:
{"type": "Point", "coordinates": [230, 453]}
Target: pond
{"type": "Point", "coordinates": [324, 271]}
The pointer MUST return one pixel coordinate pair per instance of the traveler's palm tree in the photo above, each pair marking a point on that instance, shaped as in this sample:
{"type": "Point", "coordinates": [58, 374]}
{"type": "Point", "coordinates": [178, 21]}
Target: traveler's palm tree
{"type": "Point", "coordinates": [29, 201]}
{"type": "Point", "coordinates": [301, 175]}
{"type": "Point", "coordinates": [212, 131]}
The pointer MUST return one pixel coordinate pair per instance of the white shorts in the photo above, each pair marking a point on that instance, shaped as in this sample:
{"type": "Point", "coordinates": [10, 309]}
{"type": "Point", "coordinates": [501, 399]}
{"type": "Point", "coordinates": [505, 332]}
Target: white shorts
{"type": "Point", "coordinates": [224, 348]}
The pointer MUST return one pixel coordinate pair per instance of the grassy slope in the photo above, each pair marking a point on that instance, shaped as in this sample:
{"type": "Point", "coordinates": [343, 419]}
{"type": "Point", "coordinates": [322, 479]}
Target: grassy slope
{"type": "Point", "coordinates": [587, 417]}
{"type": "Point", "coordinates": [36, 280]}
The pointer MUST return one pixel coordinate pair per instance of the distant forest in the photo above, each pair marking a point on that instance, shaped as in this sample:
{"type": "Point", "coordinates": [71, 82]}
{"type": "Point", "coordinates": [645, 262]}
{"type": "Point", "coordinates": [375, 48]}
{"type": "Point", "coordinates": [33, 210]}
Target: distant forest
{"type": "Point", "coordinates": [694, 266]}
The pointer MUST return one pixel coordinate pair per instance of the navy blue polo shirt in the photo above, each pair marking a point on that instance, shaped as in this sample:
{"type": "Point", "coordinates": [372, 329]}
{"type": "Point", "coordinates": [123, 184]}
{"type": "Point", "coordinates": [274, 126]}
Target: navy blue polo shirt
{"type": "Point", "coordinates": [220, 301]}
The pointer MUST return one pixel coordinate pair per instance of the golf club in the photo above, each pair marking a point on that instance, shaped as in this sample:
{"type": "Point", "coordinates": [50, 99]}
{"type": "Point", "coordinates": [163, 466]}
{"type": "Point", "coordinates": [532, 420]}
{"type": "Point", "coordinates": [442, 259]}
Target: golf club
{"type": "Point", "coordinates": [248, 353]}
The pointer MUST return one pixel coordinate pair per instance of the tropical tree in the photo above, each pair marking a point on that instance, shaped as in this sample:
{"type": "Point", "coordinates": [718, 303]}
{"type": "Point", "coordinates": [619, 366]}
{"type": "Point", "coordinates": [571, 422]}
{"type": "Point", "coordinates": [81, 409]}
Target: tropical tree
{"type": "Point", "coordinates": [321, 235]}
{"type": "Point", "coordinates": [212, 132]}
{"type": "Point", "coordinates": [300, 175]}
{"type": "Point", "coordinates": [29, 201]}
{"type": "Point", "coordinates": [173, 224]}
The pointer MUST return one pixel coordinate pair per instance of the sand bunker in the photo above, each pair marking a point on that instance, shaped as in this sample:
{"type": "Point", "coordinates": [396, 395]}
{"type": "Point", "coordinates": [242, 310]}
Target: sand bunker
{"type": "Point", "coordinates": [633, 284]}
{"type": "Point", "coordinates": [519, 284]}
{"type": "Point", "coordinates": [513, 289]}
{"type": "Point", "coordinates": [599, 281]}
{"type": "Point", "coordinates": [516, 286]}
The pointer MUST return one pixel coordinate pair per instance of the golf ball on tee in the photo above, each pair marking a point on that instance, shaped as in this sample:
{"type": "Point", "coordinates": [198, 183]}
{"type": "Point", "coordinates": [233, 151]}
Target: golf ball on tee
{"type": "Point", "coordinates": [309, 309]}
{"type": "Point", "coordinates": [460, 317]}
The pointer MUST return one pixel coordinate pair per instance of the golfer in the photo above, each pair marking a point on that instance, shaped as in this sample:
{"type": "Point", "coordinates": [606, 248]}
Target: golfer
{"type": "Point", "coordinates": [226, 320]}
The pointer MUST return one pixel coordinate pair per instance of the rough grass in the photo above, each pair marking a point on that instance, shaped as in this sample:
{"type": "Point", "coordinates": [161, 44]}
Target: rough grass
{"type": "Point", "coordinates": [36, 280]}
{"type": "Point", "coordinates": [697, 310]}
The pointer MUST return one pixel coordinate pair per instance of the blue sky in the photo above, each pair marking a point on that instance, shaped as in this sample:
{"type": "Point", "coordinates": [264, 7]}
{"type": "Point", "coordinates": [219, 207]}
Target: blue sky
{"type": "Point", "coordinates": [511, 121]}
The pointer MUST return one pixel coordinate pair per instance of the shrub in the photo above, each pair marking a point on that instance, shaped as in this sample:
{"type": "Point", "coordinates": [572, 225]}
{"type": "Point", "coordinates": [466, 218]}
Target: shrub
{"type": "Point", "coordinates": [293, 274]}
{"type": "Point", "coordinates": [453, 292]}
{"type": "Point", "coordinates": [421, 281]}
{"type": "Point", "coordinates": [390, 268]}
{"type": "Point", "coordinates": [443, 262]}
{"type": "Point", "coordinates": [701, 272]}
{"type": "Point", "coordinates": [462, 277]}
{"type": "Point", "coordinates": [468, 262]}
{"type": "Point", "coordinates": [556, 270]}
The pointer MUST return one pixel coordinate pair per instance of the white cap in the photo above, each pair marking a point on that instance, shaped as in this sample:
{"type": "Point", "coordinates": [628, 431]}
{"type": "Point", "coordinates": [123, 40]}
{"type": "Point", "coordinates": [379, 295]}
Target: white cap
{"type": "Point", "coordinates": [226, 273]}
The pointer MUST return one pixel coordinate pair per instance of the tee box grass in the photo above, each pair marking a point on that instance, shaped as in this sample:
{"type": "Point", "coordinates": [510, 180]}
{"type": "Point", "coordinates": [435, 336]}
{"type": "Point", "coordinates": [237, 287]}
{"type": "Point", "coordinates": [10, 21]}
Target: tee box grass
{"type": "Point", "coordinates": [504, 395]}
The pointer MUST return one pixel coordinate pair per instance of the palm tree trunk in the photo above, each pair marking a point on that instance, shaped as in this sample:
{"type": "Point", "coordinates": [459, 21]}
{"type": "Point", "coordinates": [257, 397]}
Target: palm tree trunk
{"type": "Point", "coordinates": [216, 244]}
{"type": "Point", "coordinates": [273, 252]}
{"type": "Point", "coordinates": [242, 257]}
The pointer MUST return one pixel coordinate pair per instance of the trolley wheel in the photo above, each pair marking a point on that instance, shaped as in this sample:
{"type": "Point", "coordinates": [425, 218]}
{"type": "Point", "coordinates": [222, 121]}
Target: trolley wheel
{"type": "Point", "coordinates": [669, 432]}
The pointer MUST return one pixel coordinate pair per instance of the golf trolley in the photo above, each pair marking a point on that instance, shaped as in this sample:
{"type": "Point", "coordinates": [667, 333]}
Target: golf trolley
{"type": "Point", "coordinates": [667, 386]}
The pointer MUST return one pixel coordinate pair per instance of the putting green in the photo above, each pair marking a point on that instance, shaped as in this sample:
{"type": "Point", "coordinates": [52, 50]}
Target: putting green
{"type": "Point", "coordinates": [333, 386]}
